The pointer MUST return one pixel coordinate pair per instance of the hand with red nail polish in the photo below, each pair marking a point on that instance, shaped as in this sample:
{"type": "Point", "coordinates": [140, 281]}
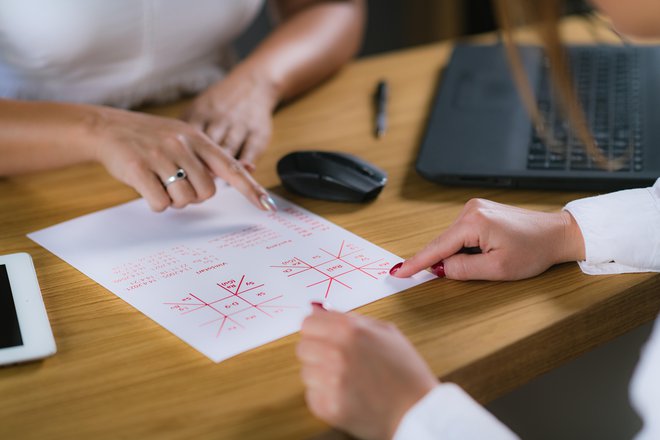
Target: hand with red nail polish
{"type": "Point", "coordinates": [395, 268]}
{"type": "Point", "coordinates": [318, 305]}
{"type": "Point", "coordinates": [515, 243]}
{"type": "Point", "coordinates": [360, 375]}
{"type": "Point", "coordinates": [438, 269]}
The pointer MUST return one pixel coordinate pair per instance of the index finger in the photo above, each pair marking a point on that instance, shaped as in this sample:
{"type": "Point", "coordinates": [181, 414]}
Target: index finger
{"type": "Point", "coordinates": [445, 245]}
{"type": "Point", "coordinates": [225, 166]}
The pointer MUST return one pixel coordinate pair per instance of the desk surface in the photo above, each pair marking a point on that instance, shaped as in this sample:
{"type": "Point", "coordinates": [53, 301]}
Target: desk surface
{"type": "Point", "coordinates": [117, 374]}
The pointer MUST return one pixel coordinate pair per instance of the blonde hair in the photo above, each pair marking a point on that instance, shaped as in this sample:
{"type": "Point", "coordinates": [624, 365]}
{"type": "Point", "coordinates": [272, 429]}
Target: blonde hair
{"type": "Point", "coordinates": [544, 16]}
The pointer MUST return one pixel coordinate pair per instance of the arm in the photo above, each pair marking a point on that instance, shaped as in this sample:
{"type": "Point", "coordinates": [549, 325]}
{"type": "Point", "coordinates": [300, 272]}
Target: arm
{"type": "Point", "coordinates": [314, 38]}
{"type": "Point", "coordinates": [365, 377]}
{"type": "Point", "coordinates": [449, 413]}
{"type": "Point", "coordinates": [138, 149]}
{"type": "Point", "coordinates": [644, 386]}
{"type": "Point", "coordinates": [621, 231]}
{"type": "Point", "coordinates": [613, 233]}
{"type": "Point", "coordinates": [39, 136]}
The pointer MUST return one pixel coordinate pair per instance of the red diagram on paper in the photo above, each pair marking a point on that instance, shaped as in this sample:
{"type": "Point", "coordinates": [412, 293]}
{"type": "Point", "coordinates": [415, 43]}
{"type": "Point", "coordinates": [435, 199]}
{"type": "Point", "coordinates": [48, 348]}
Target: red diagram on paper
{"type": "Point", "coordinates": [241, 303]}
{"type": "Point", "coordinates": [335, 270]}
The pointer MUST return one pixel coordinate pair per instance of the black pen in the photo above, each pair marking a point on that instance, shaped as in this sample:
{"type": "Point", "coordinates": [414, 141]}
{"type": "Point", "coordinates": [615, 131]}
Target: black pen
{"type": "Point", "coordinates": [381, 97]}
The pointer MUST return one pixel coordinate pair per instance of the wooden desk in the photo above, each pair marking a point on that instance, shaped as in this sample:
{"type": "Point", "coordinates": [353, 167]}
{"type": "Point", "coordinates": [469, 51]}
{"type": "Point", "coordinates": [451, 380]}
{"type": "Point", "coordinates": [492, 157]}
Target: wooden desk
{"type": "Point", "coordinates": [117, 374]}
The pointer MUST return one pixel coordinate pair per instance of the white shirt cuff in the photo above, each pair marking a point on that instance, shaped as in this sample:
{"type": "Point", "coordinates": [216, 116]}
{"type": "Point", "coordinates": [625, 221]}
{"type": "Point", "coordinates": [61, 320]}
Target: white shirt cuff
{"type": "Point", "coordinates": [449, 413]}
{"type": "Point", "coordinates": [645, 387]}
{"type": "Point", "coordinates": [621, 231]}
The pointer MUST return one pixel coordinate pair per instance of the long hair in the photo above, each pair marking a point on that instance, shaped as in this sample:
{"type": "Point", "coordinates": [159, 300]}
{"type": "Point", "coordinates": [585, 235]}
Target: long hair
{"type": "Point", "coordinates": [544, 16]}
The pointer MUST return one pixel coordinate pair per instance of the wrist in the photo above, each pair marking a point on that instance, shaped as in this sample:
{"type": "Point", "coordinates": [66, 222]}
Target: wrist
{"type": "Point", "coordinates": [259, 78]}
{"type": "Point", "coordinates": [409, 404]}
{"type": "Point", "coordinates": [90, 124]}
{"type": "Point", "coordinates": [572, 243]}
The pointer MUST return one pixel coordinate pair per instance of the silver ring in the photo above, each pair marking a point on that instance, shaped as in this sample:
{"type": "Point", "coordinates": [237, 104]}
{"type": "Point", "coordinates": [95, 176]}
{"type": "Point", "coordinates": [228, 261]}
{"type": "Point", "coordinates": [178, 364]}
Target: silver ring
{"type": "Point", "coordinates": [179, 175]}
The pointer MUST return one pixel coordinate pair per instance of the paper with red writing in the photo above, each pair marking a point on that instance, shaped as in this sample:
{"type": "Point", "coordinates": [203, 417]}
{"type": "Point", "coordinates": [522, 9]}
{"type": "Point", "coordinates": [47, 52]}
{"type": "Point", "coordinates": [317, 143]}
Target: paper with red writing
{"type": "Point", "coordinates": [224, 276]}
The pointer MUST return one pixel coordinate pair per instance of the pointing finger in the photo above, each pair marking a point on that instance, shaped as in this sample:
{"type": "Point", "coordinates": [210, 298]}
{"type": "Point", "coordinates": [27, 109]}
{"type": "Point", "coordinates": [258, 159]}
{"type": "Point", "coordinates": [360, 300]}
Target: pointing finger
{"type": "Point", "coordinates": [445, 245]}
{"type": "Point", "coordinates": [226, 167]}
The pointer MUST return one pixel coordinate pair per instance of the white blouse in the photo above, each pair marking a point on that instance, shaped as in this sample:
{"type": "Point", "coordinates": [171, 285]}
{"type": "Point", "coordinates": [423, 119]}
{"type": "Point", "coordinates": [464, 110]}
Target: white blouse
{"type": "Point", "coordinates": [118, 52]}
{"type": "Point", "coordinates": [622, 234]}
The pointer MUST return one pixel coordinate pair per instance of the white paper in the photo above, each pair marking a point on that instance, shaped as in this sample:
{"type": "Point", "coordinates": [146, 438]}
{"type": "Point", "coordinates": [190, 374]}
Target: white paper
{"type": "Point", "coordinates": [224, 276]}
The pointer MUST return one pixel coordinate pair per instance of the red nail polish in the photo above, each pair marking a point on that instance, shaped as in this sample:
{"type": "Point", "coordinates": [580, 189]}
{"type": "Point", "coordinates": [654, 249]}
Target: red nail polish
{"type": "Point", "coordinates": [395, 268]}
{"type": "Point", "coordinates": [318, 305]}
{"type": "Point", "coordinates": [438, 269]}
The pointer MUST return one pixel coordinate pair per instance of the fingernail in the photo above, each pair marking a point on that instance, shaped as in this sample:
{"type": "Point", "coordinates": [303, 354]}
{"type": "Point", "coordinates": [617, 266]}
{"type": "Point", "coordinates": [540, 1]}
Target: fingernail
{"type": "Point", "coordinates": [268, 203]}
{"type": "Point", "coordinates": [318, 305]}
{"type": "Point", "coordinates": [395, 268]}
{"type": "Point", "coordinates": [438, 269]}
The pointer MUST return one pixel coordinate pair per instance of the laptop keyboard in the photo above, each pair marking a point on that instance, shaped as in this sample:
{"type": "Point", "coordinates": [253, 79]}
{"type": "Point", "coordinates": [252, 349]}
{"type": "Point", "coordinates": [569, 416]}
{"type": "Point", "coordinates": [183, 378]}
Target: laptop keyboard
{"type": "Point", "coordinates": [607, 80]}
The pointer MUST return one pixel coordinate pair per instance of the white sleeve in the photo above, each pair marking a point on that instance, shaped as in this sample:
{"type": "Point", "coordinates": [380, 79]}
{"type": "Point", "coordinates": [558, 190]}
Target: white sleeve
{"type": "Point", "coordinates": [645, 387]}
{"type": "Point", "coordinates": [449, 413]}
{"type": "Point", "coordinates": [621, 231]}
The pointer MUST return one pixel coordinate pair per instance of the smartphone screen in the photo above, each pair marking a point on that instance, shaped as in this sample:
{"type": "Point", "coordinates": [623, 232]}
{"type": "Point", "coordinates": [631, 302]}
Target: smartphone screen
{"type": "Point", "coordinates": [10, 332]}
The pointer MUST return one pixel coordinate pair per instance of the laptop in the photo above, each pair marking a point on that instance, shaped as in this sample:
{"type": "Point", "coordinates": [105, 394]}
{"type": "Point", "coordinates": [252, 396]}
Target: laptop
{"type": "Point", "coordinates": [479, 132]}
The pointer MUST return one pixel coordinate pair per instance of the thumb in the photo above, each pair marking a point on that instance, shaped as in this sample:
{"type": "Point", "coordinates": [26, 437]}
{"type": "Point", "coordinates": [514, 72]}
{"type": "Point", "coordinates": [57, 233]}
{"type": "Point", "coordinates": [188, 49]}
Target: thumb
{"type": "Point", "coordinates": [487, 266]}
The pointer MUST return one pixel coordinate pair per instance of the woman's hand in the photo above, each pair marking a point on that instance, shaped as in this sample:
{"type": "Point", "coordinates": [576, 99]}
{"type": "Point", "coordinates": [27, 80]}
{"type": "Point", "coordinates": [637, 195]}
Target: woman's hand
{"type": "Point", "coordinates": [361, 375]}
{"type": "Point", "coordinates": [143, 151]}
{"type": "Point", "coordinates": [312, 39]}
{"type": "Point", "coordinates": [515, 243]}
{"type": "Point", "coordinates": [236, 113]}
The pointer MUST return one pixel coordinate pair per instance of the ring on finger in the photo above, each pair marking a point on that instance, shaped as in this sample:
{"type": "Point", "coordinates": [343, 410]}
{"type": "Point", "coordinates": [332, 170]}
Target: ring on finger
{"type": "Point", "coordinates": [179, 175]}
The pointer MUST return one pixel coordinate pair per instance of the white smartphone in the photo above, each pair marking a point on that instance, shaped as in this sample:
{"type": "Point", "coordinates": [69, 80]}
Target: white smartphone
{"type": "Point", "coordinates": [25, 332]}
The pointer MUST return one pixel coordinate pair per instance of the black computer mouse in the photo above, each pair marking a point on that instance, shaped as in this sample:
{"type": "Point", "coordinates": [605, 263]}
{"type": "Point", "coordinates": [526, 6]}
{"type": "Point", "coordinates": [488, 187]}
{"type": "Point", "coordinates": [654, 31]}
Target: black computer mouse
{"type": "Point", "coordinates": [326, 175]}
